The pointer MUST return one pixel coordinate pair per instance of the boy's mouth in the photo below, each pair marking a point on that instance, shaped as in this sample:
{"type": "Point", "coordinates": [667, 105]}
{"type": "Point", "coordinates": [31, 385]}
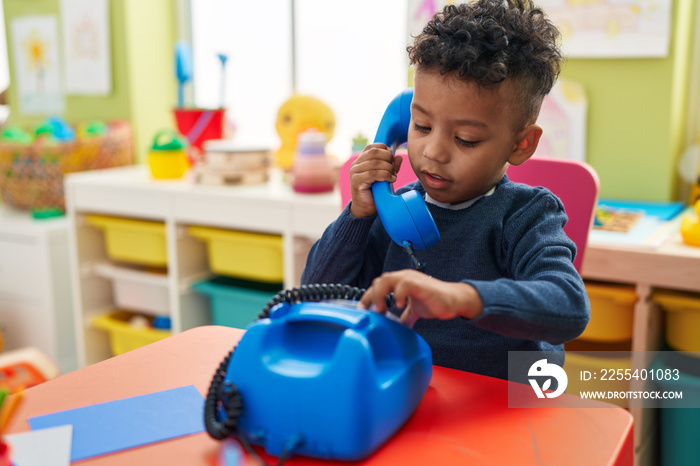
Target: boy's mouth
{"type": "Point", "coordinates": [435, 181]}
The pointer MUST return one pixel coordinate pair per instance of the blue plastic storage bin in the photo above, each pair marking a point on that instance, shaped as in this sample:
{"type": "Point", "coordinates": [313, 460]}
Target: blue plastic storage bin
{"type": "Point", "coordinates": [236, 303]}
{"type": "Point", "coordinates": [679, 425]}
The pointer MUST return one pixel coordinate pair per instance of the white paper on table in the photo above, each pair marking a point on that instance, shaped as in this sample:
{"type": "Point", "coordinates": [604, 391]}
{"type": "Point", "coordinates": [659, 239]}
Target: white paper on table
{"type": "Point", "coordinates": [43, 447]}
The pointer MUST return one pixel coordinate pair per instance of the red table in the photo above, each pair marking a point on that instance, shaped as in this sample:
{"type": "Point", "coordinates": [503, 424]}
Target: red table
{"type": "Point", "coordinates": [463, 418]}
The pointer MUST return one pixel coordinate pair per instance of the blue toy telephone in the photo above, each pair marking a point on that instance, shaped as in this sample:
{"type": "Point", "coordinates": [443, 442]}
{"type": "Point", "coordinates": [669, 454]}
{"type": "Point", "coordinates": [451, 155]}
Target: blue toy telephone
{"type": "Point", "coordinates": [406, 218]}
{"type": "Point", "coordinates": [316, 376]}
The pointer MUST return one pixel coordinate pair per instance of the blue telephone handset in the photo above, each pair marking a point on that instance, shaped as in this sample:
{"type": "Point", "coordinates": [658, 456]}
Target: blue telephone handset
{"type": "Point", "coordinates": [405, 217]}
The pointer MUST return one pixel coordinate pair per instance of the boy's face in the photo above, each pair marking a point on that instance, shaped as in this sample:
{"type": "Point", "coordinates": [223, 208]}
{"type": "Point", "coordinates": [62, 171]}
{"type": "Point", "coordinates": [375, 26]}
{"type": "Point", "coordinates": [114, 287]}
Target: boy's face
{"type": "Point", "coordinates": [461, 136]}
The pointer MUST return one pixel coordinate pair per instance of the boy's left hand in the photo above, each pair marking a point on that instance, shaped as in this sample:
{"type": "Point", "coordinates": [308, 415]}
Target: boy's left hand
{"type": "Point", "coordinates": [423, 296]}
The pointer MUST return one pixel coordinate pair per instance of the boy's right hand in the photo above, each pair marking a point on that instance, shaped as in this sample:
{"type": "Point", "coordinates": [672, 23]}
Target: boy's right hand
{"type": "Point", "coordinates": [376, 163]}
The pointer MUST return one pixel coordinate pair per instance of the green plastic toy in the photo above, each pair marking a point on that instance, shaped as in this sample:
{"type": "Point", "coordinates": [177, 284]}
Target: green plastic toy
{"type": "Point", "coordinates": [15, 134]}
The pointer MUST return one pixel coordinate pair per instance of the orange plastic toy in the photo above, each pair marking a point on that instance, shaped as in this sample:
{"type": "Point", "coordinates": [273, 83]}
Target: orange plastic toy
{"type": "Point", "coordinates": [24, 368]}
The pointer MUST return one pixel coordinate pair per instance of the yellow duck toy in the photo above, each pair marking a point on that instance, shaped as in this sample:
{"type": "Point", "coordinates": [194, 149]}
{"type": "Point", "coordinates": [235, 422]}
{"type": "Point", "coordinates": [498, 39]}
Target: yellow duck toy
{"type": "Point", "coordinates": [297, 114]}
{"type": "Point", "coordinates": [690, 227]}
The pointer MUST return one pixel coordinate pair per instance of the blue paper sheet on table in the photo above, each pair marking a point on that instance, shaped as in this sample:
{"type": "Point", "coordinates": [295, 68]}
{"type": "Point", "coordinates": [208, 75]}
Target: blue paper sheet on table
{"type": "Point", "coordinates": [635, 223]}
{"type": "Point", "coordinates": [130, 422]}
{"type": "Point", "coordinates": [662, 210]}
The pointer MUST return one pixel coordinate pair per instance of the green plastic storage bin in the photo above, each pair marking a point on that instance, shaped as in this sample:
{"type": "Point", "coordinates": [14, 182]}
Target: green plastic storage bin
{"type": "Point", "coordinates": [679, 425]}
{"type": "Point", "coordinates": [236, 303]}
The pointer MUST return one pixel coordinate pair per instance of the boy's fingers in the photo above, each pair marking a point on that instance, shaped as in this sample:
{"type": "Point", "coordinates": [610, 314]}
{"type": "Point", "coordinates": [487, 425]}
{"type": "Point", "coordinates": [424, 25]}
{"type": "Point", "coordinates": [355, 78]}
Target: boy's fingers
{"type": "Point", "coordinates": [372, 165]}
{"type": "Point", "coordinates": [377, 145]}
{"type": "Point", "coordinates": [398, 160]}
{"type": "Point", "coordinates": [379, 175]}
{"type": "Point", "coordinates": [376, 294]}
{"type": "Point", "coordinates": [367, 301]}
{"type": "Point", "coordinates": [374, 170]}
{"type": "Point", "coordinates": [364, 301]}
{"type": "Point", "coordinates": [402, 291]}
{"type": "Point", "coordinates": [378, 301]}
{"type": "Point", "coordinates": [408, 318]}
{"type": "Point", "coordinates": [375, 151]}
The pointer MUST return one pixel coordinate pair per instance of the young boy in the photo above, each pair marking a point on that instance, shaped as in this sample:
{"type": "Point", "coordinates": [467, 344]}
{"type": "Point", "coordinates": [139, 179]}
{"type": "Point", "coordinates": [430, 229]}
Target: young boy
{"type": "Point", "coordinates": [501, 278]}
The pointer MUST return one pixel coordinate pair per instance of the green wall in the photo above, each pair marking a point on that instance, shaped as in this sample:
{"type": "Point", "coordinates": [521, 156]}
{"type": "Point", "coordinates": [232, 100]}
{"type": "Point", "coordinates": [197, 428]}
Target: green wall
{"type": "Point", "coordinates": [150, 43]}
{"type": "Point", "coordinates": [143, 81]}
{"type": "Point", "coordinates": [637, 115]}
{"type": "Point", "coordinates": [637, 107]}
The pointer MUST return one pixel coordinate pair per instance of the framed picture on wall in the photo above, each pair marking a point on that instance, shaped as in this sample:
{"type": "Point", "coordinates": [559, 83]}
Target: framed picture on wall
{"type": "Point", "coordinates": [86, 47]}
{"type": "Point", "coordinates": [600, 29]}
{"type": "Point", "coordinates": [612, 28]}
{"type": "Point", "coordinates": [36, 65]}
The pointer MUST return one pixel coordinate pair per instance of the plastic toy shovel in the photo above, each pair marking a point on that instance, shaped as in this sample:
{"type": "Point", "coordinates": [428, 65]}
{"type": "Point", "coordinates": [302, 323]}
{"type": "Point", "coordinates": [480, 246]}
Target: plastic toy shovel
{"type": "Point", "coordinates": [222, 95]}
{"type": "Point", "coordinates": [183, 69]}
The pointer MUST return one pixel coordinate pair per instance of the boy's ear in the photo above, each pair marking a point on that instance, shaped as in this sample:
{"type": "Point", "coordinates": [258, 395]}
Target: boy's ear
{"type": "Point", "coordinates": [527, 140]}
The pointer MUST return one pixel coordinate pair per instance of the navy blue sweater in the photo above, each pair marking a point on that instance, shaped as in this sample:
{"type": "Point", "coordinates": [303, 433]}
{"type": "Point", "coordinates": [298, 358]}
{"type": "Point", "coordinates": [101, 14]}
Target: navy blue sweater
{"type": "Point", "coordinates": [510, 246]}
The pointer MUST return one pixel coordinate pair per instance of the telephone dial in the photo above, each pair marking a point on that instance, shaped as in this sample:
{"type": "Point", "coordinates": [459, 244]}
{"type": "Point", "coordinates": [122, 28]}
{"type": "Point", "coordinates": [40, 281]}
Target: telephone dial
{"type": "Point", "coordinates": [316, 376]}
{"type": "Point", "coordinates": [405, 217]}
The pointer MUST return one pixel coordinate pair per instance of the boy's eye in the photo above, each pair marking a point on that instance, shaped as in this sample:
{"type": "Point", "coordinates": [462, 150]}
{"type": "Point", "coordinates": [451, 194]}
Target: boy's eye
{"type": "Point", "coordinates": [465, 143]}
{"type": "Point", "coordinates": [421, 129]}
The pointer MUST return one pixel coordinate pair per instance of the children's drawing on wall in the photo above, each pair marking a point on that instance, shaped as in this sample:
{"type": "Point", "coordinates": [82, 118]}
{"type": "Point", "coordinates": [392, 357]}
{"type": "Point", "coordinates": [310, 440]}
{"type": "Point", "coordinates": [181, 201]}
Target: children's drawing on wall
{"type": "Point", "coordinates": [36, 64]}
{"type": "Point", "coordinates": [420, 12]}
{"type": "Point", "coordinates": [563, 119]}
{"type": "Point", "coordinates": [590, 29]}
{"type": "Point", "coordinates": [86, 47]}
{"type": "Point", "coordinates": [611, 28]}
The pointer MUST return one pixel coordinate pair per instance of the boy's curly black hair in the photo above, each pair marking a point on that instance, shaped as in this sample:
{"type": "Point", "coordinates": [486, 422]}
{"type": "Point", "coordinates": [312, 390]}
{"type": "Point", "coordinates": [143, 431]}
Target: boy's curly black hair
{"type": "Point", "coordinates": [489, 41]}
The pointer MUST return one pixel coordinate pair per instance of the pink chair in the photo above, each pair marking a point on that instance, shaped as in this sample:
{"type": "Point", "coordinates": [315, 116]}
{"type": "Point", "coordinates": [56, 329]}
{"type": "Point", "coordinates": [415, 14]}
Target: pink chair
{"type": "Point", "coordinates": [575, 183]}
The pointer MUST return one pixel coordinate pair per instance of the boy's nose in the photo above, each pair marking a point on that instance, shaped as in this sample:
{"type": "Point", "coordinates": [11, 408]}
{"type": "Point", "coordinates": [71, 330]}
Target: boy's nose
{"type": "Point", "coordinates": [435, 150]}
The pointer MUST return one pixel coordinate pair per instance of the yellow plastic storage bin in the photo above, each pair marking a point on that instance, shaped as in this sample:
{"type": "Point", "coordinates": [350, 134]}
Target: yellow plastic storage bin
{"type": "Point", "coordinates": [124, 336]}
{"type": "Point", "coordinates": [240, 254]}
{"type": "Point", "coordinates": [682, 311]}
{"type": "Point", "coordinates": [134, 241]}
{"type": "Point", "coordinates": [593, 362]}
{"type": "Point", "coordinates": [612, 312]}
{"type": "Point", "coordinates": [690, 226]}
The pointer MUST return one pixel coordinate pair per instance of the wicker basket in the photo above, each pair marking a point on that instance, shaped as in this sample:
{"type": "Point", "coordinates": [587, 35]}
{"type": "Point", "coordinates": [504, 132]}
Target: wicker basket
{"type": "Point", "coordinates": [31, 176]}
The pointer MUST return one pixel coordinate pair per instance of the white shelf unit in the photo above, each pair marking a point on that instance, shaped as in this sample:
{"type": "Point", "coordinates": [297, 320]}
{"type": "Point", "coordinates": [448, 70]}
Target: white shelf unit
{"type": "Point", "coordinates": [130, 192]}
{"type": "Point", "coordinates": [35, 297]}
